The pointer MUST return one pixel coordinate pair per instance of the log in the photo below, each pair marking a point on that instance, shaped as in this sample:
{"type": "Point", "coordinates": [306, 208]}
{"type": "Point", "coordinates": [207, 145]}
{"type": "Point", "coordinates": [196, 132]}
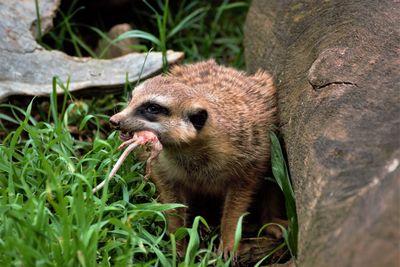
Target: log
{"type": "Point", "coordinates": [336, 65]}
{"type": "Point", "coordinates": [26, 68]}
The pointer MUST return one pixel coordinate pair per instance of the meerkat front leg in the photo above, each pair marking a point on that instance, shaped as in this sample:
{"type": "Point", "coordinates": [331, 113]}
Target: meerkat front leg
{"type": "Point", "coordinates": [237, 201]}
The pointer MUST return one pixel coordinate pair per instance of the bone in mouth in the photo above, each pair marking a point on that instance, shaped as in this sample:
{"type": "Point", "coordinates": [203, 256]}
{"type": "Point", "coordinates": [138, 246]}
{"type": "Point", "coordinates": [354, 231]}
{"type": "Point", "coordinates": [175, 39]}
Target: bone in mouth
{"type": "Point", "coordinates": [139, 138]}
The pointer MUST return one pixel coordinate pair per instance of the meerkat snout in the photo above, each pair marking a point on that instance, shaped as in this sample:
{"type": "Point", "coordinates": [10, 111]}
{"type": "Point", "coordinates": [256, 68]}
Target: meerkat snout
{"type": "Point", "coordinates": [117, 120]}
{"type": "Point", "coordinates": [114, 122]}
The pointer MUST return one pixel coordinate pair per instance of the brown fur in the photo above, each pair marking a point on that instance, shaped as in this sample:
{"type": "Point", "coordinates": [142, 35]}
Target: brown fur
{"type": "Point", "coordinates": [228, 157]}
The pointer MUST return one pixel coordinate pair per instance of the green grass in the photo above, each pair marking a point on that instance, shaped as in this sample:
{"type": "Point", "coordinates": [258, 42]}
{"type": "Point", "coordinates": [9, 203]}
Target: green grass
{"type": "Point", "coordinates": [55, 151]}
{"type": "Point", "coordinates": [48, 215]}
{"type": "Point", "coordinates": [281, 175]}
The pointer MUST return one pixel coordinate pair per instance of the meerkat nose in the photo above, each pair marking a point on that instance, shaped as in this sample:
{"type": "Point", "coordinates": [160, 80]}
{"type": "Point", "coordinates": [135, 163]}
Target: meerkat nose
{"type": "Point", "coordinates": [115, 122]}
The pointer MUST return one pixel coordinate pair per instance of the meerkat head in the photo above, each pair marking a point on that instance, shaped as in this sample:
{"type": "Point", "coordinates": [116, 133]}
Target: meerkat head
{"type": "Point", "coordinates": [170, 110]}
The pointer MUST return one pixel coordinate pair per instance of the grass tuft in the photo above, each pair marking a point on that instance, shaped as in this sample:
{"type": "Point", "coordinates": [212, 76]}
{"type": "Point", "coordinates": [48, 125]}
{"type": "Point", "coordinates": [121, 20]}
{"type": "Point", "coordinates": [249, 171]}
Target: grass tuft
{"type": "Point", "coordinates": [281, 174]}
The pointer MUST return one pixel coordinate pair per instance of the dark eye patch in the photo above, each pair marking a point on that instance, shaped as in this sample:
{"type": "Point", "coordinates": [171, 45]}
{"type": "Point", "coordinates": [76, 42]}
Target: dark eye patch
{"type": "Point", "coordinates": [198, 118]}
{"type": "Point", "coordinates": [151, 111]}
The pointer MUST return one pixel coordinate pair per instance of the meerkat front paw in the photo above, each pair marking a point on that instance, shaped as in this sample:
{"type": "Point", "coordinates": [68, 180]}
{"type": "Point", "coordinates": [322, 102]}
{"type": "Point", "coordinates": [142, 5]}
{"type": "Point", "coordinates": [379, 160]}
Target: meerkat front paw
{"type": "Point", "coordinates": [227, 249]}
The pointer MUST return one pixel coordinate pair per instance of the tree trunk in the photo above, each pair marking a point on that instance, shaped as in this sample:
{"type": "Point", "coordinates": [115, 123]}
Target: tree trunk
{"type": "Point", "coordinates": [336, 67]}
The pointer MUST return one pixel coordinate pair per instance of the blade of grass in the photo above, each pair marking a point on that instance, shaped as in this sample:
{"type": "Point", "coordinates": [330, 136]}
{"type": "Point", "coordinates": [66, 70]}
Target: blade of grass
{"type": "Point", "coordinates": [133, 34]}
{"type": "Point", "coordinates": [281, 174]}
{"type": "Point", "coordinates": [39, 22]}
{"type": "Point", "coordinates": [187, 22]}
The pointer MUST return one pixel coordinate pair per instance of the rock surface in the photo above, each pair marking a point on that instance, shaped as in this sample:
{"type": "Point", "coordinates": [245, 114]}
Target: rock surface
{"type": "Point", "coordinates": [27, 68]}
{"type": "Point", "coordinates": [337, 68]}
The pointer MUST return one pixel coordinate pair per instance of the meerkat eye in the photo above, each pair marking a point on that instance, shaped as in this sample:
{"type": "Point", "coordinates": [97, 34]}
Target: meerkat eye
{"type": "Point", "coordinates": [154, 109]}
{"type": "Point", "coordinates": [151, 110]}
{"type": "Point", "coordinates": [198, 118]}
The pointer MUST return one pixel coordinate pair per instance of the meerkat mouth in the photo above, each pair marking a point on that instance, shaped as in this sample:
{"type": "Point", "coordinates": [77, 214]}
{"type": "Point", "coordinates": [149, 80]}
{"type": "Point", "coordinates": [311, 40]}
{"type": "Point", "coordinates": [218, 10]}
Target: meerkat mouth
{"type": "Point", "coordinates": [125, 136]}
{"type": "Point", "coordinates": [139, 138]}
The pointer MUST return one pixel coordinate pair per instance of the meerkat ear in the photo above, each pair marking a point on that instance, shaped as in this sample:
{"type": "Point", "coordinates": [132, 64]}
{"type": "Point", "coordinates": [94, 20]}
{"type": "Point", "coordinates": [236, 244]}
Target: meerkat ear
{"type": "Point", "coordinates": [198, 118]}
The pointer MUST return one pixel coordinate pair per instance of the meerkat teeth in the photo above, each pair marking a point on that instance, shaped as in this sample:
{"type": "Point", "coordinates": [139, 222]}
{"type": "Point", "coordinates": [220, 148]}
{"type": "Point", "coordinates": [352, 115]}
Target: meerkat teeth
{"type": "Point", "coordinates": [124, 136]}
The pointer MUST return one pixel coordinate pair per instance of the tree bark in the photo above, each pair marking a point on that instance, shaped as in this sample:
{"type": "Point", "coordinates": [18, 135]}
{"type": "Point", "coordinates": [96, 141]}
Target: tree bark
{"type": "Point", "coordinates": [336, 67]}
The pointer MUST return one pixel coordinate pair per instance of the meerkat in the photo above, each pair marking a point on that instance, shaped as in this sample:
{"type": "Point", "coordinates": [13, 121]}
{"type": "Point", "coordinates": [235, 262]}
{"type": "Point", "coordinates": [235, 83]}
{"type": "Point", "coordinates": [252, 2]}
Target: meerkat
{"type": "Point", "coordinates": [213, 123]}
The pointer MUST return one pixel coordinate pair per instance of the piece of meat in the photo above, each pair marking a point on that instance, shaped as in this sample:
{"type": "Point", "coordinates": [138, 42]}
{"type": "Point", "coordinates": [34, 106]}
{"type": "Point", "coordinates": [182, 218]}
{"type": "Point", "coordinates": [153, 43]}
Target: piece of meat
{"type": "Point", "coordinates": [139, 138]}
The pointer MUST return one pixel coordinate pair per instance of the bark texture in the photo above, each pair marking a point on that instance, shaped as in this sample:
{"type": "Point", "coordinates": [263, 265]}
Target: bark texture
{"type": "Point", "coordinates": [337, 68]}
